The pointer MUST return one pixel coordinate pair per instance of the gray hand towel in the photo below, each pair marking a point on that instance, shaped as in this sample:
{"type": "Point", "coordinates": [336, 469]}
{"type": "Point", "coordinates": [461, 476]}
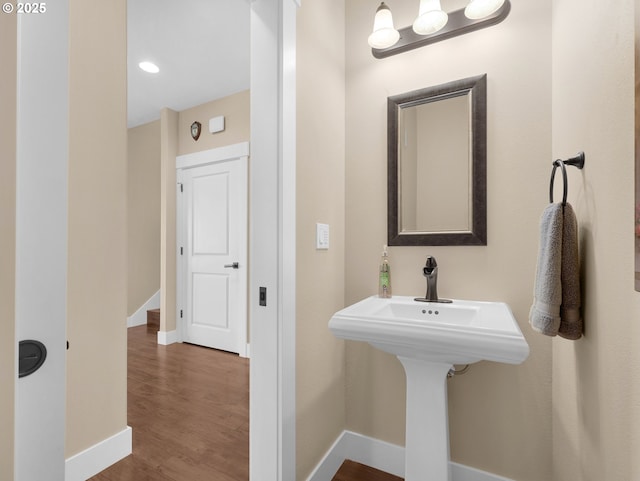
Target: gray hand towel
{"type": "Point", "coordinates": [556, 303]}
{"type": "Point", "coordinates": [544, 315]}
{"type": "Point", "coordinates": [570, 320]}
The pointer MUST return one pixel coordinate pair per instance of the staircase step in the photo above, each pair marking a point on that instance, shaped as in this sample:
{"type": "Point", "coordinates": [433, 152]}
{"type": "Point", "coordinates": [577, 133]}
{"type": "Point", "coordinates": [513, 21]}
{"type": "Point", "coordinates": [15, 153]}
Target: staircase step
{"type": "Point", "coordinates": [153, 319]}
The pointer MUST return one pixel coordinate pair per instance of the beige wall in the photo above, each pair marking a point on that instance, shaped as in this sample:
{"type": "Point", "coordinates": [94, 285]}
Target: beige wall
{"type": "Point", "coordinates": [635, 381]}
{"type": "Point", "coordinates": [637, 138]}
{"type": "Point", "coordinates": [8, 49]}
{"type": "Point", "coordinates": [97, 271]}
{"type": "Point", "coordinates": [235, 109]}
{"type": "Point", "coordinates": [320, 364]}
{"type": "Point", "coordinates": [500, 415]}
{"type": "Point", "coordinates": [168, 153]}
{"type": "Point", "coordinates": [143, 214]}
{"type": "Point", "coordinates": [595, 381]}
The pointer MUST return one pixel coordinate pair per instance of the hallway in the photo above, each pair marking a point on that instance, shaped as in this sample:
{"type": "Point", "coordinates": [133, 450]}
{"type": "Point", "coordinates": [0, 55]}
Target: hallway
{"type": "Point", "coordinates": [189, 410]}
{"type": "Point", "coordinates": [188, 407]}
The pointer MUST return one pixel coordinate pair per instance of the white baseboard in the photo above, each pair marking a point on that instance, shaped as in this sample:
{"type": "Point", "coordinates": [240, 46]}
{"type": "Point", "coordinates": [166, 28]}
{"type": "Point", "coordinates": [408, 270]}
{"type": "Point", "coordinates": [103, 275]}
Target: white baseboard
{"type": "Point", "coordinates": [99, 457]}
{"type": "Point", "coordinates": [139, 317]}
{"type": "Point", "coordinates": [383, 456]}
{"type": "Point", "coordinates": [361, 449]}
{"type": "Point", "coordinates": [167, 337]}
{"type": "Point", "coordinates": [460, 472]}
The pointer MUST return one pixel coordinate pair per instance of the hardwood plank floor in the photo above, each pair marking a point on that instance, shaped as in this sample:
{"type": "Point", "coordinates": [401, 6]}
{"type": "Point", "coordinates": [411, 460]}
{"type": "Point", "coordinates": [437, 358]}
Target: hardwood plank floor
{"type": "Point", "coordinates": [352, 471]}
{"type": "Point", "coordinates": [189, 410]}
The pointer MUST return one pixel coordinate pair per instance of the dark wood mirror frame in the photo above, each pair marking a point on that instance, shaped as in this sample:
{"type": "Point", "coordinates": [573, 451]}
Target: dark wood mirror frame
{"type": "Point", "coordinates": [477, 88]}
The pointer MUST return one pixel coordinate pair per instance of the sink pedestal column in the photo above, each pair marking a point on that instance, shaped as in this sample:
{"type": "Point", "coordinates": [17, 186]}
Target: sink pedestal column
{"type": "Point", "coordinates": [427, 435]}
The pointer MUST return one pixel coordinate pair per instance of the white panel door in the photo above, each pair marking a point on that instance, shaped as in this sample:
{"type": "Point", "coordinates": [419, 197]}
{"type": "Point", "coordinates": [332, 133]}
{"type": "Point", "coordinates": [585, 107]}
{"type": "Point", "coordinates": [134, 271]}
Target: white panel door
{"type": "Point", "coordinates": [41, 239]}
{"type": "Point", "coordinates": [215, 253]}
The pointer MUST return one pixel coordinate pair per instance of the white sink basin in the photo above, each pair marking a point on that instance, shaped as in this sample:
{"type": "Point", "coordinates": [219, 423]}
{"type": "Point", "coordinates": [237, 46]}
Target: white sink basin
{"type": "Point", "coordinates": [462, 332]}
{"type": "Point", "coordinates": [428, 338]}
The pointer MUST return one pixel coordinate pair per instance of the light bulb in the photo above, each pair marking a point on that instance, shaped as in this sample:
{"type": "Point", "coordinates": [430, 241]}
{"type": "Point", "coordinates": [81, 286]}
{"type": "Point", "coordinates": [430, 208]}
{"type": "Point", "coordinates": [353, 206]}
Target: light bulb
{"type": "Point", "coordinates": [384, 34]}
{"type": "Point", "coordinates": [478, 9]}
{"type": "Point", "coordinates": [431, 17]}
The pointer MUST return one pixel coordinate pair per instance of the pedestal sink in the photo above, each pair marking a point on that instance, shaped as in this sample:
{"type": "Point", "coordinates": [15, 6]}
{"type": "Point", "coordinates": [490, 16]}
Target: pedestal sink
{"type": "Point", "coordinates": [428, 338]}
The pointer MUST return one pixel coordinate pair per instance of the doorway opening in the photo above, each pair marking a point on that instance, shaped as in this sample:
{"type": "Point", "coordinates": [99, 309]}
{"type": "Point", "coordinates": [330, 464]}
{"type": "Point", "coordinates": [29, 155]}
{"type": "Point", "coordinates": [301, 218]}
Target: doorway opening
{"type": "Point", "coordinates": [197, 68]}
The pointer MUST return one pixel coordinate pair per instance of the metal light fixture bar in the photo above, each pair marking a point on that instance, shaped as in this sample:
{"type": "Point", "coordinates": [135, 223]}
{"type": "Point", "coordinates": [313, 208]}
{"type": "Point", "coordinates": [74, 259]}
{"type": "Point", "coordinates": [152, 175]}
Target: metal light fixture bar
{"type": "Point", "coordinates": [458, 24]}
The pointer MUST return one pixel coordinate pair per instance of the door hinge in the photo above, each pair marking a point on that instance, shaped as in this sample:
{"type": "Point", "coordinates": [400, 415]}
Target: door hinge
{"type": "Point", "coordinates": [181, 186]}
{"type": "Point", "coordinates": [180, 313]}
{"type": "Point", "coordinates": [180, 250]}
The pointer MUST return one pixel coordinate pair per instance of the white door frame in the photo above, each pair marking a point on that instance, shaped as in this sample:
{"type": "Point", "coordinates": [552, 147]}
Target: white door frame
{"type": "Point", "coordinates": [221, 154]}
{"type": "Point", "coordinates": [272, 240]}
{"type": "Point", "coordinates": [272, 191]}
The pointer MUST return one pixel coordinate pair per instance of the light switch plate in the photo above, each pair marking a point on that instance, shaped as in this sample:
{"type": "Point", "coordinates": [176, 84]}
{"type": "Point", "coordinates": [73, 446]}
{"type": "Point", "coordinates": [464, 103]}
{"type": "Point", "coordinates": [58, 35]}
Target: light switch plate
{"type": "Point", "coordinates": [322, 236]}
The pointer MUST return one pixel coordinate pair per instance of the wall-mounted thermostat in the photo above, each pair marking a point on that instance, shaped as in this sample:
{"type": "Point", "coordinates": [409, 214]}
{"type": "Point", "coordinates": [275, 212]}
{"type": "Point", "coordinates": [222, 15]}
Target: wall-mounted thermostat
{"type": "Point", "coordinates": [216, 124]}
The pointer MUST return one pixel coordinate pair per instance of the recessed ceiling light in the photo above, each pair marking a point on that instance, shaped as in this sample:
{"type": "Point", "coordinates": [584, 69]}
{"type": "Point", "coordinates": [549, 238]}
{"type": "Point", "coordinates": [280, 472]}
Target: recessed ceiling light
{"type": "Point", "coordinates": [149, 67]}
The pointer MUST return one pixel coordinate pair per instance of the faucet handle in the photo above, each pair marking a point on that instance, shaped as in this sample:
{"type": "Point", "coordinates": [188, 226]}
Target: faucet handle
{"type": "Point", "coordinates": [429, 266]}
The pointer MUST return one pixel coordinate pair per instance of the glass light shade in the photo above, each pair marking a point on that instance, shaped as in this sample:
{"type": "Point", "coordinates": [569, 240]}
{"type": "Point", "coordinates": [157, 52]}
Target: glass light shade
{"type": "Point", "coordinates": [478, 9]}
{"type": "Point", "coordinates": [431, 17]}
{"type": "Point", "coordinates": [384, 34]}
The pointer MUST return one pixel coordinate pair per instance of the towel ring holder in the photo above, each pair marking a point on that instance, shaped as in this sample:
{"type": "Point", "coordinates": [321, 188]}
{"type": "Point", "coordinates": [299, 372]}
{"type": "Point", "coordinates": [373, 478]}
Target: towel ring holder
{"type": "Point", "coordinates": [577, 161]}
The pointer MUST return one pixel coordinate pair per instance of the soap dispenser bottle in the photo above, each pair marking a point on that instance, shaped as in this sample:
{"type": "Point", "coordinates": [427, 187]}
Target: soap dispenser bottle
{"type": "Point", "coordinates": [384, 276]}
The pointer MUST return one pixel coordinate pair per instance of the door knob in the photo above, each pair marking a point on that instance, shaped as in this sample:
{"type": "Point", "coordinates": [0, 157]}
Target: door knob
{"type": "Point", "coordinates": [31, 355]}
{"type": "Point", "coordinates": [235, 265]}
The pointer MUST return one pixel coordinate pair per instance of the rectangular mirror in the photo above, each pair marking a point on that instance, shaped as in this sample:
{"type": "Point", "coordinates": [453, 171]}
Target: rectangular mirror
{"type": "Point", "coordinates": [437, 165]}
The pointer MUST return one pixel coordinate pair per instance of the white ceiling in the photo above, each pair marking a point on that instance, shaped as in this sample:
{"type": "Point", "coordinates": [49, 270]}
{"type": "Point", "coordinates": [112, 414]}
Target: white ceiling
{"type": "Point", "coordinates": [201, 47]}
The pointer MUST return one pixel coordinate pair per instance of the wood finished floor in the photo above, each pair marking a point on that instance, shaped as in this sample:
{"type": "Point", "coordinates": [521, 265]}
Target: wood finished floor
{"type": "Point", "coordinates": [188, 407]}
{"type": "Point", "coordinates": [351, 471]}
{"type": "Point", "coordinates": [189, 410]}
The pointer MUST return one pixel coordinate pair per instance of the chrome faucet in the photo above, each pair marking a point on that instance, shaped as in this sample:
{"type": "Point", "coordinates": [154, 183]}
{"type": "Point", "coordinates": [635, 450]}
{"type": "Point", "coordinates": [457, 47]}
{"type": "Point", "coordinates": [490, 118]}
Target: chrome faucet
{"type": "Point", "coordinates": [430, 271]}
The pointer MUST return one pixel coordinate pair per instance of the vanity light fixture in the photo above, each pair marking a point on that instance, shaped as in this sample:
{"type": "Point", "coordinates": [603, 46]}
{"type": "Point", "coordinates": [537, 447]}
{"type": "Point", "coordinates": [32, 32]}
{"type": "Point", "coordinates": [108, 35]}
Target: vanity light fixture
{"type": "Point", "coordinates": [433, 25]}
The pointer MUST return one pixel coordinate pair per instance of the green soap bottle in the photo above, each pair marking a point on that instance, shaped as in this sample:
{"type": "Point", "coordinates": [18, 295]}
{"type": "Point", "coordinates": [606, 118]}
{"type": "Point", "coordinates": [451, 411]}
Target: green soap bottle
{"type": "Point", "coordinates": [384, 277]}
